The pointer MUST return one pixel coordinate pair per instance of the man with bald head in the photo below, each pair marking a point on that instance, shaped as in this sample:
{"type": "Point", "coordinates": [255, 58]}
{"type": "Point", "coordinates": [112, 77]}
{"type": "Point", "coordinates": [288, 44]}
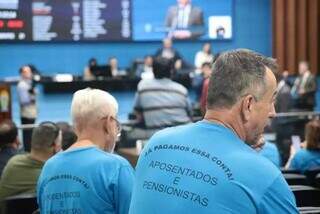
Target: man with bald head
{"type": "Point", "coordinates": [212, 165]}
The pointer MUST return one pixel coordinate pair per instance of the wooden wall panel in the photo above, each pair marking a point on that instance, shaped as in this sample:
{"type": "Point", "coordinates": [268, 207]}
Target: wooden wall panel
{"type": "Point", "coordinates": [302, 30]}
{"type": "Point", "coordinates": [296, 25]}
{"type": "Point", "coordinates": [313, 37]}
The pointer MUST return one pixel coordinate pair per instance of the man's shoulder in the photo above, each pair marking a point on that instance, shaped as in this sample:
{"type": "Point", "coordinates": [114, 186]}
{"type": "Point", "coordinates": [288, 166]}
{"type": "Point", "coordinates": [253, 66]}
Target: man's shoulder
{"type": "Point", "coordinates": [172, 9]}
{"type": "Point", "coordinates": [18, 158]}
{"type": "Point", "coordinates": [161, 84]}
{"type": "Point", "coordinates": [196, 9]}
{"type": "Point", "coordinates": [168, 133]}
{"type": "Point", "coordinates": [98, 157]}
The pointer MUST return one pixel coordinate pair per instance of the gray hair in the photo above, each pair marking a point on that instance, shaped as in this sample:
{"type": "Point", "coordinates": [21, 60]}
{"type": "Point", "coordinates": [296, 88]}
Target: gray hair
{"type": "Point", "coordinates": [90, 105]}
{"type": "Point", "coordinates": [235, 74]}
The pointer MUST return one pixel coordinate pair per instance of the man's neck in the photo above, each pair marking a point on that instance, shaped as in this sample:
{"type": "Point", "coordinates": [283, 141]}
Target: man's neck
{"type": "Point", "coordinates": [90, 138]}
{"type": "Point", "coordinates": [228, 118]}
{"type": "Point", "coordinates": [40, 156]}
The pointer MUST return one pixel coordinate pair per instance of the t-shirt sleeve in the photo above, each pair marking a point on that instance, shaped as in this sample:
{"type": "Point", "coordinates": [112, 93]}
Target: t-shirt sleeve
{"type": "Point", "coordinates": [123, 189]}
{"type": "Point", "coordinates": [278, 198]}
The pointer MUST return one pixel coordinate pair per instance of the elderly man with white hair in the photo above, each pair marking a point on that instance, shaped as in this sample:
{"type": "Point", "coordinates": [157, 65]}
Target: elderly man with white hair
{"type": "Point", "coordinates": [87, 177]}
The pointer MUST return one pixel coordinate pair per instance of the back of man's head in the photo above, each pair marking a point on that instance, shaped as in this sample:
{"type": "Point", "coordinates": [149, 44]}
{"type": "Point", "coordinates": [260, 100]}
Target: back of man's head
{"type": "Point", "coordinates": [89, 106]}
{"type": "Point", "coordinates": [236, 74]}
{"type": "Point", "coordinates": [8, 133]}
{"type": "Point", "coordinates": [68, 135]}
{"type": "Point", "coordinates": [45, 137]}
{"type": "Point", "coordinates": [162, 68]}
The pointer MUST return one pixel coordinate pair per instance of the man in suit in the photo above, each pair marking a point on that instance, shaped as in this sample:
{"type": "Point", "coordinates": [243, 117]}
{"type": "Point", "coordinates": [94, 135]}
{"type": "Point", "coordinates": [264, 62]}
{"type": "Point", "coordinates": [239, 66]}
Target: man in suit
{"type": "Point", "coordinates": [184, 21]}
{"type": "Point", "coordinates": [303, 90]}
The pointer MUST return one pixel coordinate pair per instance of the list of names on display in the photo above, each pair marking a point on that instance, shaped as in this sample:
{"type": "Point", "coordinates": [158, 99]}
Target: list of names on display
{"type": "Point", "coordinates": [93, 24]}
{"type": "Point", "coordinates": [60, 20]}
{"type": "Point", "coordinates": [15, 20]}
{"type": "Point", "coordinates": [42, 20]}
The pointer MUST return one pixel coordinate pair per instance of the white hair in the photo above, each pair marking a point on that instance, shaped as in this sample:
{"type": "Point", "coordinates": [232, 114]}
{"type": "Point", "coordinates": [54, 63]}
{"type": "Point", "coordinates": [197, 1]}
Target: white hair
{"type": "Point", "coordinates": [90, 105]}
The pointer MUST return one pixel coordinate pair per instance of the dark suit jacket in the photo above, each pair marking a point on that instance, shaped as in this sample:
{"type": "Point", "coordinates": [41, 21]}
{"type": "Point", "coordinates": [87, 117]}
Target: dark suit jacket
{"type": "Point", "coordinates": [284, 99]}
{"type": "Point", "coordinates": [305, 101]}
{"type": "Point", "coordinates": [176, 54]}
{"type": "Point", "coordinates": [195, 23]}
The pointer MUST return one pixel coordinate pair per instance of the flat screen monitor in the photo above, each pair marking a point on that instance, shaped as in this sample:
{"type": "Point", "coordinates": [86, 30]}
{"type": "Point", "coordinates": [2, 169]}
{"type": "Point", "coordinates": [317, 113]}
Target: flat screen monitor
{"type": "Point", "coordinates": [114, 20]}
{"type": "Point", "coordinates": [101, 71]}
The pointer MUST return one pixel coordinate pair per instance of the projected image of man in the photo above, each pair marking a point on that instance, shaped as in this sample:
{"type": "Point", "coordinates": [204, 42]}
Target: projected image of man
{"type": "Point", "coordinates": [184, 21]}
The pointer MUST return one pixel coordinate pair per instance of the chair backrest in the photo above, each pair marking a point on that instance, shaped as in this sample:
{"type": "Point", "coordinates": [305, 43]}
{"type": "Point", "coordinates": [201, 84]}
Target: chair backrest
{"type": "Point", "coordinates": [317, 180]}
{"type": "Point", "coordinates": [295, 179]}
{"type": "Point", "coordinates": [24, 203]}
{"type": "Point", "coordinates": [306, 210]}
{"type": "Point", "coordinates": [306, 196]}
{"type": "Point", "coordinates": [290, 171]}
{"type": "Point", "coordinates": [311, 176]}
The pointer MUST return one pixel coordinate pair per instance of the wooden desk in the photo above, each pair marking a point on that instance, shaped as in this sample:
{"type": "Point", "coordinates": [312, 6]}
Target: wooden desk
{"type": "Point", "coordinates": [131, 154]}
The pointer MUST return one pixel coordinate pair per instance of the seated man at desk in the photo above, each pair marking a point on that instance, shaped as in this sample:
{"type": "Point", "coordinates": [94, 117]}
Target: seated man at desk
{"type": "Point", "coordinates": [87, 73]}
{"type": "Point", "coordinates": [159, 102]}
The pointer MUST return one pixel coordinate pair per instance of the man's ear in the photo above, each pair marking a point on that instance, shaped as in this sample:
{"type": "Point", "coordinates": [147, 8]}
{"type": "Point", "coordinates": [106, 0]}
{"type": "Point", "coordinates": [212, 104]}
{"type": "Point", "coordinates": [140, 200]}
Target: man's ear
{"type": "Point", "coordinates": [57, 145]}
{"type": "Point", "coordinates": [16, 143]}
{"type": "Point", "coordinates": [107, 125]}
{"type": "Point", "coordinates": [247, 107]}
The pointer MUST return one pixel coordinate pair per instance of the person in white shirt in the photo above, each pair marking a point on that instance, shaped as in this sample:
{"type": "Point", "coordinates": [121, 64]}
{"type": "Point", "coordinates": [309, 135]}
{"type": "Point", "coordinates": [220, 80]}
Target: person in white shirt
{"type": "Point", "coordinates": [203, 56]}
{"type": "Point", "coordinates": [146, 71]}
{"type": "Point", "coordinates": [27, 101]}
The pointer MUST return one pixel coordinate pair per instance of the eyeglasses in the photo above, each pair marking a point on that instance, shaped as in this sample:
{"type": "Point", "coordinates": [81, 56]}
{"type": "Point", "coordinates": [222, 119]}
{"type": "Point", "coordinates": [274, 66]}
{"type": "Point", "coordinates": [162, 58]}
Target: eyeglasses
{"type": "Point", "coordinates": [118, 124]}
{"type": "Point", "coordinates": [119, 127]}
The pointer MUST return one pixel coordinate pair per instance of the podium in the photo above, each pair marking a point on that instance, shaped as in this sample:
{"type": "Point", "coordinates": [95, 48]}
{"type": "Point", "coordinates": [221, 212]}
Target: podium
{"type": "Point", "coordinates": [5, 101]}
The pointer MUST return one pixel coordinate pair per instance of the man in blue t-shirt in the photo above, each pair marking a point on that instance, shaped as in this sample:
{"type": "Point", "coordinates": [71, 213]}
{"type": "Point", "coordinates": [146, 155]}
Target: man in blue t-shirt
{"type": "Point", "coordinates": [87, 177]}
{"type": "Point", "coordinates": [211, 166]}
{"type": "Point", "coordinates": [271, 152]}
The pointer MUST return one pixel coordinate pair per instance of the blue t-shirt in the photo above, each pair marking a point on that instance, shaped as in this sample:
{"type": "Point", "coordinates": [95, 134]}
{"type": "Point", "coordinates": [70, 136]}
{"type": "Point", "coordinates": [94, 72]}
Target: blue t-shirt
{"type": "Point", "coordinates": [205, 168]}
{"type": "Point", "coordinates": [85, 180]}
{"type": "Point", "coordinates": [305, 160]}
{"type": "Point", "coordinates": [271, 152]}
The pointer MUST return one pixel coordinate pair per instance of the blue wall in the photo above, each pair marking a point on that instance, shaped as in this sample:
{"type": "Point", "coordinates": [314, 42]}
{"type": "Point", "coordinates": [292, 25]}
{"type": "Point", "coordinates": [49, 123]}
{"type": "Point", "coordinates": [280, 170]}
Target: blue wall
{"type": "Point", "coordinates": [252, 29]}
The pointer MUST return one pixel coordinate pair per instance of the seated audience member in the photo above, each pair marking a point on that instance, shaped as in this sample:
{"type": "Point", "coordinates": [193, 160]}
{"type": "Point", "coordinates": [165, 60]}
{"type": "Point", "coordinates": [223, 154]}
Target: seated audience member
{"type": "Point", "coordinates": [97, 180]}
{"type": "Point", "coordinates": [307, 158]}
{"type": "Point", "coordinates": [22, 171]}
{"type": "Point", "coordinates": [115, 71]}
{"type": "Point", "coordinates": [9, 142]}
{"type": "Point", "coordinates": [271, 152]}
{"type": "Point", "coordinates": [203, 56]}
{"type": "Point", "coordinates": [160, 102]}
{"type": "Point", "coordinates": [69, 137]}
{"type": "Point", "coordinates": [168, 52]}
{"type": "Point", "coordinates": [211, 166]}
{"type": "Point", "coordinates": [303, 90]}
{"type": "Point", "coordinates": [206, 72]}
{"type": "Point", "coordinates": [87, 74]}
{"type": "Point", "coordinates": [145, 70]}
